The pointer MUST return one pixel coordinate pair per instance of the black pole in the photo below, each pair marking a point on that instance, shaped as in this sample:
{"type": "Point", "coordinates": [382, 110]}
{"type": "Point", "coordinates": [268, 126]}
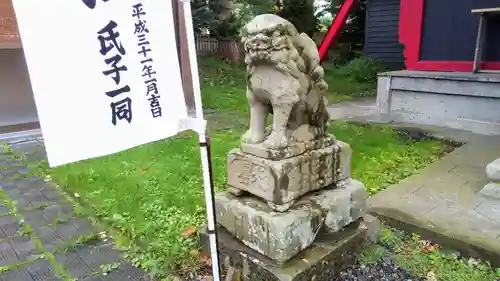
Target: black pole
{"type": "Point", "coordinates": [175, 10]}
{"type": "Point", "coordinates": [212, 189]}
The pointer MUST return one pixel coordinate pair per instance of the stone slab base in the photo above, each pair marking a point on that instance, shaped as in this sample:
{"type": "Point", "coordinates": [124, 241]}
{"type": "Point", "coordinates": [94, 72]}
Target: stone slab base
{"type": "Point", "coordinates": [443, 202]}
{"type": "Point", "coordinates": [491, 190]}
{"type": "Point", "coordinates": [464, 230]}
{"type": "Point", "coordinates": [294, 149]}
{"type": "Point", "coordinates": [280, 236]}
{"type": "Point", "coordinates": [493, 170]}
{"type": "Point", "coordinates": [281, 182]}
{"type": "Point", "coordinates": [323, 261]}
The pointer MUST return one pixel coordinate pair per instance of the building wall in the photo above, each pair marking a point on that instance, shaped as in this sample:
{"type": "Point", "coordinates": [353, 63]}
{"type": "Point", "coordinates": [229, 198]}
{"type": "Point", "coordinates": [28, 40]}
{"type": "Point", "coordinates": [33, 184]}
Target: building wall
{"type": "Point", "coordinates": [450, 34]}
{"type": "Point", "coordinates": [459, 100]}
{"type": "Point", "coordinates": [17, 105]}
{"type": "Point", "coordinates": [381, 34]}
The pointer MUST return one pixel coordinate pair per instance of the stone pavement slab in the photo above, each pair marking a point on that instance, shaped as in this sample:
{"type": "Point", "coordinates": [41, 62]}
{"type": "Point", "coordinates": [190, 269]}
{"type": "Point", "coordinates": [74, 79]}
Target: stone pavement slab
{"type": "Point", "coordinates": [442, 201]}
{"type": "Point", "coordinates": [40, 234]}
{"type": "Point", "coordinates": [356, 108]}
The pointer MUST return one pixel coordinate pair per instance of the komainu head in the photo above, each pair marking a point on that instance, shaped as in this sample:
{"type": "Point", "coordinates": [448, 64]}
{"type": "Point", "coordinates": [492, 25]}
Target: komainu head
{"type": "Point", "coordinates": [270, 39]}
{"type": "Point", "coordinates": [267, 36]}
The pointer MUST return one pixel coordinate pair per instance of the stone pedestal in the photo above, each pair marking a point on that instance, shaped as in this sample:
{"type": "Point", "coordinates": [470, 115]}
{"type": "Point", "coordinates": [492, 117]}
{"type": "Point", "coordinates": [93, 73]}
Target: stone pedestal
{"type": "Point", "coordinates": [278, 207]}
{"type": "Point", "coordinates": [492, 189]}
{"type": "Point", "coordinates": [281, 236]}
{"type": "Point", "coordinates": [322, 261]}
{"type": "Point", "coordinates": [294, 149]}
{"type": "Point", "coordinates": [281, 182]}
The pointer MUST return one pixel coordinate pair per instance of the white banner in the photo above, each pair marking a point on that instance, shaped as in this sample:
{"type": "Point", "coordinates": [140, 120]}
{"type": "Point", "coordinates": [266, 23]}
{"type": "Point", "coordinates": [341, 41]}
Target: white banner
{"type": "Point", "coordinates": [104, 73]}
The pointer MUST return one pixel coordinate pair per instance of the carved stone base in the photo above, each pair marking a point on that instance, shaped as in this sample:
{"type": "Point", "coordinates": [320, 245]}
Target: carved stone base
{"type": "Point", "coordinates": [491, 190]}
{"type": "Point", "coordinates": [280, 236]}
{"type": "Point", "coordinates": [282, 182]}
{"type": "Point", "coordinates": [323, 261]}
{"type": "Point", "coordinates": [294, 149]}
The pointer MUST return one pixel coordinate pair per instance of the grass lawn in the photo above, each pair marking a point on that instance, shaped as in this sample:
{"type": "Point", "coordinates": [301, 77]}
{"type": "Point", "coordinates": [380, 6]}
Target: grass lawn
{"type": "Point", "coordinates": [342, 87]}
{"type": "Point", "coordinates": [425, 259]}
{"type": "Point", "coordinates": [153, 194]}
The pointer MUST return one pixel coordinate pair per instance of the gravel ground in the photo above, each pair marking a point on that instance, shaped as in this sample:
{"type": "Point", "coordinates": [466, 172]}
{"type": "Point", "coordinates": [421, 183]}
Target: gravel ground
{"type": "Point", "coordinates": [385, 269]}
{"type": "Point", "coordinates": [381, 271]}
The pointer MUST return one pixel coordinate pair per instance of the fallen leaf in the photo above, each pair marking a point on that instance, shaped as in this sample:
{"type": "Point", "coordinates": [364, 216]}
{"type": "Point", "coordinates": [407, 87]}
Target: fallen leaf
{"type": "Point", "coordinates": [188, 231]}
{"type": "Point", "coordinates": [431, 249]}
{"type": "Point", "coordinates": [408, 250]}
{"type": "Point", "coordinates": [427, 246]}
{"type": "Point", "coordinates": [204, 258]}
{"type": "Point", "coordinates": [473, 262]}
{"type": "Point", "coordinates": [142, 171]}
{"type": "Point", "coordinates": [431, 276]}
{"type": "Point", "coordinates": [230, 274]}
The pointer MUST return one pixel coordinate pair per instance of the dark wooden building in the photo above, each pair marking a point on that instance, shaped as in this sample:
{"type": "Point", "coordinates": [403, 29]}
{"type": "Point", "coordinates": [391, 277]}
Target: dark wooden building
{"type": "Point", "coordinates": [382, 33]}
{"type": "Point", "coordinates": [447, 75]}
{"type": "Point", "coordinates": [431, 35]}
{"type": "Point", "coordinates": [441, 35]}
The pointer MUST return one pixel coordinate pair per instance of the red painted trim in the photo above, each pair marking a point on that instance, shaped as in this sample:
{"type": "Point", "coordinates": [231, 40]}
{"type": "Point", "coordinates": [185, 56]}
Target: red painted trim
{"type": "Point", "coordinates": [410, 34]}
{"type": "Point", "coordinates": [410, 29]}
{"type": "Point", "coordinates": [335, 28]}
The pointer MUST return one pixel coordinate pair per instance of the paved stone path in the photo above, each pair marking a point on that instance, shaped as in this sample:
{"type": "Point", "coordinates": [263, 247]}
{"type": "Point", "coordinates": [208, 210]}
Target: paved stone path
{"type": "Point", "coordinates": [353, 109]}
{"type": "Point", "coordinates": [442, 201]}
{"type": "Point", "coordinates": [42, 238]}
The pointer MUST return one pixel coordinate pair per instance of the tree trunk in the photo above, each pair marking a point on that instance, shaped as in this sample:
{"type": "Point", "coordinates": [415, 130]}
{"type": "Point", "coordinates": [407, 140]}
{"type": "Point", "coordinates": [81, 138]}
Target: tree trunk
{"type": "Point", "coordinates": [225, 9]}
{"type": "Point", "coordinates": [231, 51]}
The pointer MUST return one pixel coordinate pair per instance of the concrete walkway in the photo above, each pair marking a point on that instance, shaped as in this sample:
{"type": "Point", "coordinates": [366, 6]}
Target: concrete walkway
{"type": "Point", "coordinates": [42, 238]}
{"type": "Point", "coordinates": [442, 201]}
{"type": "Point", "coordinates": [353, 109]}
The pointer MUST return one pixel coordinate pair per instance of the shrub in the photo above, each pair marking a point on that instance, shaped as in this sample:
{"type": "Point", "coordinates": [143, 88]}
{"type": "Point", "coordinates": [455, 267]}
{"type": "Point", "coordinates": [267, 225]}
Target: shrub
{"type": "Point", "coordinates": [340, 53]}
{"type": "Point", "coordinates": [362, 69]}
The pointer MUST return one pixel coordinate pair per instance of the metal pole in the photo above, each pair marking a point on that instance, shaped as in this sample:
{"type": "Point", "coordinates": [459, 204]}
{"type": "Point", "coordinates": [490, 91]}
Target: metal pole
{"type": "Point", "coordinates": [182, 51]}
{"type": "Point", "coordinates": [204, 146]}
{"type": "Point", "coordinates": [175, 12]}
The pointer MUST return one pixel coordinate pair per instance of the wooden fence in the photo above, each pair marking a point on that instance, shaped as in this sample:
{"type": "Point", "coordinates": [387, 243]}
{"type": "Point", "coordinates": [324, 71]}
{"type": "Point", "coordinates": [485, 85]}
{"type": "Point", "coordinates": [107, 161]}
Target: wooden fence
{"type": "Point", "coordinates": [231, 50]}
{"type": "Point", "coordinates": [206, 45]}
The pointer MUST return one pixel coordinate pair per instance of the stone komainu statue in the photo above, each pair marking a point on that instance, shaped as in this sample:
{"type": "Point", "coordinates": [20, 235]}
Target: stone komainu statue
{"type": "Point", "coordinates": [289, 185]}
{"type": "Point", "coordinates": [284, 78]}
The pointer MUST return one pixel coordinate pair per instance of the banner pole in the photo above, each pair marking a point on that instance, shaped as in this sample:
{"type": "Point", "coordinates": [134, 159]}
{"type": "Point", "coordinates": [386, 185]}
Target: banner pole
{"type": "Point", "coordinates": [204, 145]}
